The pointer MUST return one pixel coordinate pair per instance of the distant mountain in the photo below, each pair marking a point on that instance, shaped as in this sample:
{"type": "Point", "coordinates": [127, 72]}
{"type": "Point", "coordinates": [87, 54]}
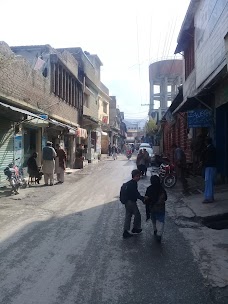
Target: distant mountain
{"type": "Point", "coordinates": [138, 123]}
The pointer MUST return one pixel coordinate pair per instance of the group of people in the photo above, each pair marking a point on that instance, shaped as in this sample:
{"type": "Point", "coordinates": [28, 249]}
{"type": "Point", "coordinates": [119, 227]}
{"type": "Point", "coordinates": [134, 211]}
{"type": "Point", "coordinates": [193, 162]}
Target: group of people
{"type": "Point", "coordinates": [156, 196]}
{"type": "Point", "coordinates": [154, 200]}
{"type": "Point", "coordinates": [53, 161]}
{"type": "Point", "coordinates": [143, 161]}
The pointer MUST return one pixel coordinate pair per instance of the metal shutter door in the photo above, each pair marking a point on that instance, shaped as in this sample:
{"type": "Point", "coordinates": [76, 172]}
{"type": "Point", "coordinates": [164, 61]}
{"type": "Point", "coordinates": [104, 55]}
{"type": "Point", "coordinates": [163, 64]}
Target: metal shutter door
{"type": "Point", "coordinates": [6, 147]}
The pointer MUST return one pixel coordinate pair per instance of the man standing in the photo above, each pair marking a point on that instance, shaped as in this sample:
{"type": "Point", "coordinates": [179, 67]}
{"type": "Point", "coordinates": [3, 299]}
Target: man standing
{"type": "Point", "coordinates": [147, 159]}
{"type": "Point", "coordinates": [180, 165]}
{"type": "Point", "coordinates": [131, 207]}
{"type": "Point", "coordinates": [60, 163]}
{"type": "Point", "coordinates": [209, 163]}
{"type": "Point", "coordinates": [48, 163]}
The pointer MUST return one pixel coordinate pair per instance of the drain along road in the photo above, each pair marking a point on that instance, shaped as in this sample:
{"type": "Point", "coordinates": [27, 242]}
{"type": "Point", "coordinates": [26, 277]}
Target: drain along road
{"type": "Point", "coordinates": [63, 244]}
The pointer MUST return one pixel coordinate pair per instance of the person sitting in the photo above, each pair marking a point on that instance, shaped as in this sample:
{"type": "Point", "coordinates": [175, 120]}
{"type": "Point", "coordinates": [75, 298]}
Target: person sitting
{"type": "Point", "coordinates": [33, 169]}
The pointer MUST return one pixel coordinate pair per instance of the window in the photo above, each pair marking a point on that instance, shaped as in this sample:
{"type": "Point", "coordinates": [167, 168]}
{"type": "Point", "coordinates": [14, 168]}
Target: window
{"type": "Point", "coordinates": [189, 53]}
{"type": "Point", "coordinates": [105, 107]}
{"type": "Point", "coordinates": [65, 85]}
{"type": "Point", "coordinates": [86, 101]}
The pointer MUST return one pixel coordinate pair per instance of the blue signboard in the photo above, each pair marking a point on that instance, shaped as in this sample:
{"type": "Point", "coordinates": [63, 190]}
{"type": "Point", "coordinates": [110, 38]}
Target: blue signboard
{"type": "Point", "coordinates": [43, 116]}
{"type": "Point", "coordinates": [200, 118]}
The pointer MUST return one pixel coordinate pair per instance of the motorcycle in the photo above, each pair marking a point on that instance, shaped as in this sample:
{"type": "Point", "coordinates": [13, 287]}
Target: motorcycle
{"type": "Point", "coordinates": [15, 177]}
{"type": "Point", "coordinates": [129, 154]}
{"type": "Point", "coordinates": [167, 175]}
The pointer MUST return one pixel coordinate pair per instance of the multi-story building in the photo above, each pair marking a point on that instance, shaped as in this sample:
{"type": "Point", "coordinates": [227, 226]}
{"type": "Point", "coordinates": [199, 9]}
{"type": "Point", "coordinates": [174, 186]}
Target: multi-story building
{"type": "Point", "coordinates": [203, 41]}
{"type": "Point", "coordinates": [41, 99]}
{"type": "Point", "coordinates": [117, 126]}
{"type": "Point", "coordinates": [96, 97]}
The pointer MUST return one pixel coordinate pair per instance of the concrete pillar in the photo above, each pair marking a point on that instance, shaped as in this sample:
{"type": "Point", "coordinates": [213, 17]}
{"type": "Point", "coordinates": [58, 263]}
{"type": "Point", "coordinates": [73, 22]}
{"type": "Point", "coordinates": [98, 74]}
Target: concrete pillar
{"type": "Point", "coordinates": [165, 105]}
{"type": "Point", "coordinates": [151, 96]}
{"type": "Point", "coordinates": [173, 91]}
{"type": "Point", "coordinates": [39, 146]}
{"type": "Point", "coordinates": [89, 146]}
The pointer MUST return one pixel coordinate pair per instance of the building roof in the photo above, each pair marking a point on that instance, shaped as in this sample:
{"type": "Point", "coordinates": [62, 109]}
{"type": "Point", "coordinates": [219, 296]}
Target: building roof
{"type": "Point", "coordinates": [186, 25]}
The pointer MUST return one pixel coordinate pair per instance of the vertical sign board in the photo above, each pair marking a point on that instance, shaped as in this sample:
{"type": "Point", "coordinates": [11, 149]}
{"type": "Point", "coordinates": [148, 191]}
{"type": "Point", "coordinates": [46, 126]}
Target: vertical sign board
{"type": "Point", "coordinates": [200, 118]}
{"type": "Point", "coordinates": [18, 150]}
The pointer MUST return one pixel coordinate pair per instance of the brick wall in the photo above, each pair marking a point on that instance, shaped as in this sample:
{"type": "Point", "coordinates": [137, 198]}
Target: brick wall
{"type": "Point", "coordinates": [29, 88]}
{"type": "Point", "coordinates": [177, 134]}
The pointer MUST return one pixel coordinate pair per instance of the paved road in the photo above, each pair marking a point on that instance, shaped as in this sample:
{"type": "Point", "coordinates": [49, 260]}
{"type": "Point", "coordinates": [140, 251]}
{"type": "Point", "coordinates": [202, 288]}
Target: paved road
{"type": "Point", "coordinates": [63, 245]}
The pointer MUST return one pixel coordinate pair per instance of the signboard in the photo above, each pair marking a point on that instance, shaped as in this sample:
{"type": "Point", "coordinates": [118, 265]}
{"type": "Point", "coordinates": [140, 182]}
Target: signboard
{"type": "Point", "coordinates": [200, 118]}
{"type": "Point", "coordinates": [105, 119]}
{"type": "Point", "coordinates": [18, 150]}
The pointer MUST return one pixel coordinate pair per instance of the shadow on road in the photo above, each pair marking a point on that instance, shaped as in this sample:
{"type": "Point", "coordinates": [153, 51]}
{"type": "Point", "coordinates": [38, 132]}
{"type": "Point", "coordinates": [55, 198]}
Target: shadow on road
{"type": "Point", "coordinates": [80, 257]}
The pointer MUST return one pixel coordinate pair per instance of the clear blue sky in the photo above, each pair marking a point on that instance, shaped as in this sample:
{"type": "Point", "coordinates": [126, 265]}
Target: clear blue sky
{"type": "Point", "coordinates": [127, 35]}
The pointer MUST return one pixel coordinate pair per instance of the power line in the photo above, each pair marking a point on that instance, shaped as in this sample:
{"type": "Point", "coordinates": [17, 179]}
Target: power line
{"type": "Point", "coordinates": [139, 68]}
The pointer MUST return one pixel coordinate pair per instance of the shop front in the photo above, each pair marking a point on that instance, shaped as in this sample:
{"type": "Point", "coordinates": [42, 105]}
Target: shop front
{"type": "Point", "coordinates": [20, 136]}
{"type": "Point", "coordinates": [65, 136]}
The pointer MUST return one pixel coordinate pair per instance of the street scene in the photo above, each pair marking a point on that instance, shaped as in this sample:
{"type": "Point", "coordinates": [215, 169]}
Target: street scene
{"type": "Point", "coordinates": [114, 152]}
{"type": "Point", "coordinates": [64, 245]}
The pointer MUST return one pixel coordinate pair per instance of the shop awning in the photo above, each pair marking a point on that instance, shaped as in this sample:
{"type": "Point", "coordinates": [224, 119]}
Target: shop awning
{"type": "Point", "coordinates": [72, 130]}
{"type": "Point", "coordinates": [189, 104]}
{"type": "Point", "coordinates": [15, 109]}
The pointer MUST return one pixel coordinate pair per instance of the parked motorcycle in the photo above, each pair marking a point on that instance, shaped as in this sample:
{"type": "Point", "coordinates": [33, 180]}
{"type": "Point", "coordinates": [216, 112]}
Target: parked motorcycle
{"type": "Point", "coordinates": [15, 177]}
{"type": "Point", "coordinates": [167, 175]}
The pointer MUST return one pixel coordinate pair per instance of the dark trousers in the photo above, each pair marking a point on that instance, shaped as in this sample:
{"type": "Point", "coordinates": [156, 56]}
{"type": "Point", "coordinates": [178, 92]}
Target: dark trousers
{"type": "Point", "coordinates": [183, 179]}
{"type": "Point", "coordinates": [181, 173]}
{"type": "Point", "coordinates": [132, 209]}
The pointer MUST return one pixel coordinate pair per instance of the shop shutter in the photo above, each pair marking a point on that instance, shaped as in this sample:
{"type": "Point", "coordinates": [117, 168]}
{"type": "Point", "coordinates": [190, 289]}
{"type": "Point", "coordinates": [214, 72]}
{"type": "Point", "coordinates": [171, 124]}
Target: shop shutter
{"type": "Point", "coordinates": [6, 147]}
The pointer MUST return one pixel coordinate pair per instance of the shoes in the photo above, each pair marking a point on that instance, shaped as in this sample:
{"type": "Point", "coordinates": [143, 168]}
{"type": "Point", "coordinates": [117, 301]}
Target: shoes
{"type": "Point", "coordinates": [134, 230]}
{"type": "Point", "coordinates": [206, 201]}
{"type": "Point", "coordinates": [126, 234]}
{"type": "Point", "coordinates": [51, 184]}
{"type": "Point", "coordinates": [158, 238]}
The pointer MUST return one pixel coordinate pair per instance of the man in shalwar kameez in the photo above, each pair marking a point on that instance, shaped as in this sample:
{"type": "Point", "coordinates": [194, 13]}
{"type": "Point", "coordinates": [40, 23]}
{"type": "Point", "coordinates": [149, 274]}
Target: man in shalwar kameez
{"type": "Point", "coordinates": [48, 163]}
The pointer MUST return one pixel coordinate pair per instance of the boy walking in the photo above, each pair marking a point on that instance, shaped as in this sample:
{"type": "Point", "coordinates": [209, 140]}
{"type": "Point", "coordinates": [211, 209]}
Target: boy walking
{"type": "Point", "coordinates": [131, 208]}
{"type": "Point", "coordinates": [155, 198]}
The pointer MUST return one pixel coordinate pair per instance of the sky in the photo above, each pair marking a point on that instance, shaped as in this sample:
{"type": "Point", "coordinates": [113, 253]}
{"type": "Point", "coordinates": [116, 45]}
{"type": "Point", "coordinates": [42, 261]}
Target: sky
{"type": "Point", "coordinates": [127, 35]}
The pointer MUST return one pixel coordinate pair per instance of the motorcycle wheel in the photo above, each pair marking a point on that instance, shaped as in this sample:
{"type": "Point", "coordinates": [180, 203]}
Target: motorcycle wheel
{"type": "Point", "coordinates": [23, 183]}
{"type": "Point", "coordinates": [14, 185]}
{"type": "Point", "coordinates": [169, 181]}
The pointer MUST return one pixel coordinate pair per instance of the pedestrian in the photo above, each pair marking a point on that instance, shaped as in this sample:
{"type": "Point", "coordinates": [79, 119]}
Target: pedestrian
{"type": "Point", "coordinates": [209, 164]}
{"type": "Point", "coordinates": [155, 198]}
{"type": "Point", "coordinates": [114, 152]}
{"type": "Point", "coordinates": [60, 164]}
{"type": "Point", "coordinates": [131, 207]}
{"type": "Point", "coordinates": [180, 166]}
{"type": "Point", "coordinates": [48, 163]}
{"type": "Point", "coordinates": [109, 150]}
{"type": "Point", "coordinates": [140, 162]}
{"type": "Point", "coordinates": [147, 159]}
{"type": "Point", "coordinates": [33, 169]}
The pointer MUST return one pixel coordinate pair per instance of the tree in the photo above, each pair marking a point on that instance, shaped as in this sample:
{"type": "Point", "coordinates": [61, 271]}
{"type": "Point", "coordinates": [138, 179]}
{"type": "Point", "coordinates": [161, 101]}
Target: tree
{"type": "Point", "coordinates": [151, 127]}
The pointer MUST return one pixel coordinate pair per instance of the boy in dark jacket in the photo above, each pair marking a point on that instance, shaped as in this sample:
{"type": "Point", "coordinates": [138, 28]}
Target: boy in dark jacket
{"type": "Point", "coordinates": [155, 198]}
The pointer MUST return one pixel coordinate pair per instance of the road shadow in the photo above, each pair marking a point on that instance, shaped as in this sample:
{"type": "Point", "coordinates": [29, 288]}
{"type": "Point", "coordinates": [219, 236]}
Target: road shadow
{"type": "Point", "coordinates": [80, 257]}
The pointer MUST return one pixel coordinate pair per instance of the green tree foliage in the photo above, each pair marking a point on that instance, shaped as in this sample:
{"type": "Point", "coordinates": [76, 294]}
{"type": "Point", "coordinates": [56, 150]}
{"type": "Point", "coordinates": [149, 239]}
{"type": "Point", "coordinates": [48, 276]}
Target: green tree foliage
{"type": "Point", "coordinates": [151, 127]}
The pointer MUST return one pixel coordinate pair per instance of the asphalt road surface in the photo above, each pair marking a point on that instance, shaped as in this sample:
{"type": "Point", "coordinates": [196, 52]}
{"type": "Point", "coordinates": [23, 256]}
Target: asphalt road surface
{"type": "Point", "coordinates": [63, 245]}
